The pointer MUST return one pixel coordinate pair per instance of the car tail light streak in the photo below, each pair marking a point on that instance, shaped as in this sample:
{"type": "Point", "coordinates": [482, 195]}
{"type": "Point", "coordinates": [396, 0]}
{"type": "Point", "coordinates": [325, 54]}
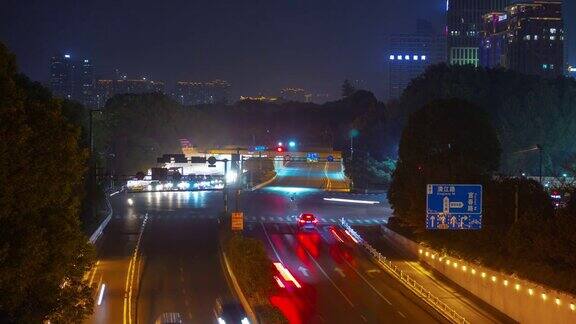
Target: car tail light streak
{"type": "Point", "coordinates": [286, 275]}
{"type": "Point", "coordinates": [351, 236]}
{"type": "Point", "coordinates": [336, 235]}
{"type": "Point", "coordinates": [279, 282]}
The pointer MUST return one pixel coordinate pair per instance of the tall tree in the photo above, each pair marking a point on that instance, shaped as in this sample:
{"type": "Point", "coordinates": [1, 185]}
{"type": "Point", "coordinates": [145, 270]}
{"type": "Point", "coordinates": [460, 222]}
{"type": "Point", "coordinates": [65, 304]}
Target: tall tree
{"type": "Point", "coordinates": [43, 253]}
{"type": "Point", "coordinates": [347, 89]}
{"type": "Point", "coordinates": [446, 141]}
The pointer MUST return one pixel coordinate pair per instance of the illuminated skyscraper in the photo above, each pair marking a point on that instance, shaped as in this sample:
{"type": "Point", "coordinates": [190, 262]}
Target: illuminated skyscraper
{"type": "Point", "coordinates": [62, 76]}
{"type": "Point", "coordinates": [528, 37]}
{"type": "Point", "coordinates": [464, 27]}
{"type": "Point", "coordinates": [84, 84]}
{"type": "Point", "coordinates": [408, 55]}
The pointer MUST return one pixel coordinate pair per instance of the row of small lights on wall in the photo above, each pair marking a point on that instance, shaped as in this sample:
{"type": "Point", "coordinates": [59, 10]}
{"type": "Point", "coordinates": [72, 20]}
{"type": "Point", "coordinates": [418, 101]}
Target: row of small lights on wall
{"type": "Point", "coordinates": [493, 278]}
{"type": "Point", "coordinates": [407, 57]}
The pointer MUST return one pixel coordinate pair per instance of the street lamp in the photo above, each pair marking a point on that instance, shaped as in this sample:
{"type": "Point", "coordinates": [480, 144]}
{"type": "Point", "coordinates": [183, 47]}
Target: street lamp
{"type": "Point", "coordinates": [540, 149]}
{"type": "Point", "coordinates": [353, 133]}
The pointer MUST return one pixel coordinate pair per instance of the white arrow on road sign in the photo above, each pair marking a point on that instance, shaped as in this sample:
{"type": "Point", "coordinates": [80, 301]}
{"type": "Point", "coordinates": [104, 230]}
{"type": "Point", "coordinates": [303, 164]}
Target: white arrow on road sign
{"type": "Point", "coordinates": [303, 270]}
{"type": "Point", "coordinates": [340, 272]}
{"type": "Point", "coordinates": [456, 204]}
{"type": "Point", "coordinates": [446, 205]}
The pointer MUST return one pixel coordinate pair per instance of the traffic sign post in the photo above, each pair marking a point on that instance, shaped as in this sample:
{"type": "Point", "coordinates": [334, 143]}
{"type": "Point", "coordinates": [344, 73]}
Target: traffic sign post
{"type": "Point", "coordinates": [237, 221]}
{"type": "Point", "coordinates": [454, 206]}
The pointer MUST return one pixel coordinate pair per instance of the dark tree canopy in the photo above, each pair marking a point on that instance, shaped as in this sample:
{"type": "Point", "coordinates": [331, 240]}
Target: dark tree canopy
{"type": "Point", "coordinates": [137, 129]}
{"type": "Point", "coordinates": [43, 253]}
{"type": "Point", "coordinates": [525, 111]}
{"type": "Point", "coordinates": [447, 141]}
{"type": "Point", "coordinates": [347, 89]}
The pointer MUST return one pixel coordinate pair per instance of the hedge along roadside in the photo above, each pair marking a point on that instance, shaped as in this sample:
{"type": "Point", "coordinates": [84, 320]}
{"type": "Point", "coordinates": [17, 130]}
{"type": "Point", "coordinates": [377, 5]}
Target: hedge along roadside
{"type": "Point", "coordinates": [252, 269]}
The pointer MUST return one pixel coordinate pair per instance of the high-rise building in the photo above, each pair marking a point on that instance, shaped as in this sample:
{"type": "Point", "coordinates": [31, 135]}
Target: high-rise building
{"type": "Point", "coordinates": [104, 91]}
{"type": "Point", "coordinates": [464, 27]}
{"type": "Point", "coordinates": [528, 37]}
{"type": "Point", "coordinates": [408, 55]}
{"type": "Point", "coordinates": [84, 84]}
{"type": "Point", "coordinates": [62, 76]}
{"type": "Point", "coordinates": [199, 93]}
{"type": "Point", "coordinates": [106, 88]}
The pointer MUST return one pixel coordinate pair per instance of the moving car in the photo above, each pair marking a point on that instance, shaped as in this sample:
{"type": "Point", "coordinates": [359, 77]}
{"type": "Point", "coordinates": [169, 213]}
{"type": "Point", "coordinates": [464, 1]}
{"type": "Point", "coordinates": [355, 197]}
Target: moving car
{"type": "Point", "coordinates": [307, 221]}
{"type": "Point", "coordinates": [230, 312]}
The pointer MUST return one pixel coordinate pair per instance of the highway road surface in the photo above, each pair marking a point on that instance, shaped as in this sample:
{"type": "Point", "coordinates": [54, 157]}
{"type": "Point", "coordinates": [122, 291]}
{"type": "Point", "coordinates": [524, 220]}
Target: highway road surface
{"type": "Point", "coordinates": [161, 254]}
{"type": "Point", "coordinates": [178, 267]}
{"type": "Point", "coordinates": [320, 175]}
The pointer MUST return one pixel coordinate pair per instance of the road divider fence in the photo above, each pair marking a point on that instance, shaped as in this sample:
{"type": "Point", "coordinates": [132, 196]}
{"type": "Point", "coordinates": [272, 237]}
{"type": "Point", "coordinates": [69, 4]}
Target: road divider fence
{"type": "Point", "coordinates": [445, 310]}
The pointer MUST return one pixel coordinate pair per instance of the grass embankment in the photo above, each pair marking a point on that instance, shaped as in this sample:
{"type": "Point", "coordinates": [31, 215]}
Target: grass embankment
{"type": "Point", "coordinates": [540, 253]}
{"type": "Point", "coordinates": [252, 268]}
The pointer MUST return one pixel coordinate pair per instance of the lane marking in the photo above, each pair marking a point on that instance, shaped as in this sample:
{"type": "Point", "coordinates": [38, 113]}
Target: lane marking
{"type": "Point", "coordinates": [270, 241]}
{"type": "Point", "coordinates": [325, 274]}
{"type": "Point", "coordinates": [363, 318]}
{"type": "Point", "coordinates": [399, 312]}
{"type": "Point", "coordinates": [93, 273]}
{"type": "Point", "coordinates": [368, 283]}
{"type": "Point", "coordinates": [127, 314]}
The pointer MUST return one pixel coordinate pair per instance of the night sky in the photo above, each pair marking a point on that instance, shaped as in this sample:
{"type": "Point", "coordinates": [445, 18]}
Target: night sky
{"type": "Point", "coordinates": [259, 46]}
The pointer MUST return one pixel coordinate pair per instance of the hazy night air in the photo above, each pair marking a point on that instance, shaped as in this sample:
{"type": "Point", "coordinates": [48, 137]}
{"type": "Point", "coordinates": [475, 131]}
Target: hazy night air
{"type": "Point", "coordinates": [301, 161]}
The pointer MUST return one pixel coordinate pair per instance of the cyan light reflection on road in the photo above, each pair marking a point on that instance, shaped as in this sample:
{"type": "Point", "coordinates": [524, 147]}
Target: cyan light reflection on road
{"type": "Point", "coordinates": [291, 190]}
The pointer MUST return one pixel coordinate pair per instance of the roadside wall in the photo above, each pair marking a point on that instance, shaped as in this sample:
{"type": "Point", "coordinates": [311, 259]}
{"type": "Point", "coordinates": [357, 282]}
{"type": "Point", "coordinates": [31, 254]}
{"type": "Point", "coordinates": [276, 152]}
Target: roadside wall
{"type": "Point", "coordinates": [522, 300]}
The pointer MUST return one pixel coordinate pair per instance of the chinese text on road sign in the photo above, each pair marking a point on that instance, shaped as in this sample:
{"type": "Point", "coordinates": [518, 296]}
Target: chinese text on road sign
{"type": "Point", "coordinates": [453, 206]}
{"type": "Point", "coordinates": [237, 221]}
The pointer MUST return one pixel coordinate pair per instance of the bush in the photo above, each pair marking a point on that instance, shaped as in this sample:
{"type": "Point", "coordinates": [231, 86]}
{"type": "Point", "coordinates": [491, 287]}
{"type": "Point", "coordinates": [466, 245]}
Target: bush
{"type": "Point", "coordinates": [270, 314]}
{"type": "Point", "coordinates": [252, 268]}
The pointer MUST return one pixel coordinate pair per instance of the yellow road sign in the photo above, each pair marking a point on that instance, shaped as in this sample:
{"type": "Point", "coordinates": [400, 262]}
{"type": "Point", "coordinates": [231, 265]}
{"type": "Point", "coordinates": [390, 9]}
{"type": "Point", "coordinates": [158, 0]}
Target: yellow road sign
{"type": "Point", "coordinates": [237, 221]}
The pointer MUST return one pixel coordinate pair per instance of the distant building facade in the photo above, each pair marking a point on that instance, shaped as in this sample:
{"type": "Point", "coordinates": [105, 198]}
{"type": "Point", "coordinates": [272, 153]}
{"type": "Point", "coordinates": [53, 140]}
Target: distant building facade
{"type": "Point", "coordinates": [61, 81]}
{"type": "Point", "coordinates": [408, 55]}
{"type": "Point", "coordinates": [71, 79]}
{"type": "Point", "coordinates": [295, 94]}
{"type": "Point", "coordinates": [106, 88]}
{"type": "Point", "coordinates": [85, 90]}
{"type": "Point", "coordinates": [464, 27]}
{"type": "Point", "coordinates": [200, 93]}
{"type": "Point", "coordinates": [527, 37]}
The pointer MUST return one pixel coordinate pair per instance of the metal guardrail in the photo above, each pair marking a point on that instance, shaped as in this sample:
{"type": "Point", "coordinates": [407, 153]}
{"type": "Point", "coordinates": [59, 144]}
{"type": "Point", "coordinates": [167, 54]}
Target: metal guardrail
{"type": "Point", "coordinates": [96, 234]}
{"type": "Point", "coordinates": [445, 310]}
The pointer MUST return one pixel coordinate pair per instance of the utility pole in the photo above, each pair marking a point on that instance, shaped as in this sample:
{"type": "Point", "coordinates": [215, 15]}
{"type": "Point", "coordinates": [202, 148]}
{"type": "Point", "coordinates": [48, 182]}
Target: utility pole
{"type": "Point", "coordinates": [91, 141]}
{"type": "Point", "coordinates": [225, 186]}
{"type": "Point", "coordinates": [539, 147]}
{"type": "Point", "coordinates": [516, 202]}
{"type": "Point", "coordinates": [351, 148]}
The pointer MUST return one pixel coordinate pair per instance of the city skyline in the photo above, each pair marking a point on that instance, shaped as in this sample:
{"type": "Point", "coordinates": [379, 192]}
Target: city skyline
{"type": "Point", "coordinates": [241, 47]}
{"type": "Point", "coordinates": [200, 52]}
